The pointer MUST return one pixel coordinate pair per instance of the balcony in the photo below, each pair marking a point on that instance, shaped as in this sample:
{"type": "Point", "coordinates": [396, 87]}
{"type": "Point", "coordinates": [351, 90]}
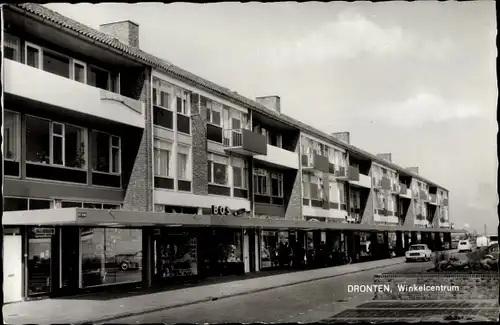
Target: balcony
{"type": "Point", "coordinates": [45, 87]}
{"type": "Point", "coordinates": [364, 181]}
{"type": "Point", "coordinates": [280, 157]}
{"type": "Point", "coordinates": [433, 199]}
{"type": "Point", "coordinates": [244, 142]}
{"type": "Point", "coordinates": [315, 162]}
{"type": "Point", "coordinates": [395, 188]}
{"type": "Point", "coordinates": [386, 183]}
{"type": "Point", "coordinates": [353, 173]}
{"type": "Point", "coordinates": [404, 191]}
{"type": "Point", "coordinates": [423, 195]}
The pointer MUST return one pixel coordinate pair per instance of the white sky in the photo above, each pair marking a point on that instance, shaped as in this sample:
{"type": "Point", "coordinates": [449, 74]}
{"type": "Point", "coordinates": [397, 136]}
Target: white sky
{"type": "Point", "coordinates": [414, 79]}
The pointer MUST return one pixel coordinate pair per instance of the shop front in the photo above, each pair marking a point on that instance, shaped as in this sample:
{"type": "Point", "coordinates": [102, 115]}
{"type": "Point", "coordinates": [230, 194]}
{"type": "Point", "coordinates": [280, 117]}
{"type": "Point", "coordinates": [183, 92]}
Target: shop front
{"type": "Point", "coordinates": [221, 252]}
{"type": "Point", "coordinates": [275, 249]}
{"type": "Point", "coordinates": [175, 254]}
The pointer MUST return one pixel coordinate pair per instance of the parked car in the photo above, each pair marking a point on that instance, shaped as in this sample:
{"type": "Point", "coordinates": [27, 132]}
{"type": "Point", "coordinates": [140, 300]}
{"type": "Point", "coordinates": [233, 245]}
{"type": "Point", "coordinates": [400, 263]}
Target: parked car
{"type": "Point", "coordinates": [129, 261]}
{"type": "Point", "coordinates": [464, 246]}
{"type": "Point", "coordinates": [482, 241]}
{"type": "Point", "coordinates": [418, 252]}
{"type": "Point", "coordinates": [492, 251]}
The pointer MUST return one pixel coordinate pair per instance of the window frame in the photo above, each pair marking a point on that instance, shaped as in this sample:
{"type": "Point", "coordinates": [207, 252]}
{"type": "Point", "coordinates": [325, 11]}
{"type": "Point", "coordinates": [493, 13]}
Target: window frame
{"type": "Point", "coordinates": [40, 54]}
{"type": "Point", "coordinates": [188, 161]}
{"type": "Point", "coordinates": [306, 183]}
{"type": "Point", "coordinates": [244, 178]}
{"type": "Point", "coordinates": [18, 43]}
{"type": "Point", "coordinates": [109, 83]}
{"type": "Point", "coordinates": [17, 136]}
{"type": "Point", "coordinates": [110, 154]}
{"type": "Point", "coordinates": [210, 160]}
{"type": "Point", "coordinates": [184, 97]}
{"type": "Point", "coordinates": [210, 110]}
{"type": "Point", "coordinates": [279, 177]}
{"type": "Point", "coordinates": [265, 176]}
{"type": "Point", "coordinates": [72, 70]}
{"type": "Point", "coordinates": [63, 143]}
{"type": "Point", "coordinates": [169, 157]}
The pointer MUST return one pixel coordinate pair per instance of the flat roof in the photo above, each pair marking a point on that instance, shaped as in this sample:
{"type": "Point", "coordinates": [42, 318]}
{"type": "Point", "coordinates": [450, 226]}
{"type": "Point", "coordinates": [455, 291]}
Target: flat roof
{"type": "Point", "coordinates": [125, 218]}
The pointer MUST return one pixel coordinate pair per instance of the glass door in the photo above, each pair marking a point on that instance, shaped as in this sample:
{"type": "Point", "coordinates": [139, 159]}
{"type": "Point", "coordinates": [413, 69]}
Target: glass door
{"type": "Point", "coordinates": [39, 275]}
{"type": "Point", "coordinates": [69, 258]}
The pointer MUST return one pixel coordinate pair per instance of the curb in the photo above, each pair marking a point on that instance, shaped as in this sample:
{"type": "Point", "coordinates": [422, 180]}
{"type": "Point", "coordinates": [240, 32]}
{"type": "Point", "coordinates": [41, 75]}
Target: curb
{"type": "Point", "coordinates": [206, 299]}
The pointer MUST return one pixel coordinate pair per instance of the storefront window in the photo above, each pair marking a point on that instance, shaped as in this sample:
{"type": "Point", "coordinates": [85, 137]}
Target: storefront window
{"type": "Point", "coordinates": [110, 256]}
{"type": "Point", "coordinates": [274, 249]}
{"type": "Point", "coordinates": [39, 260]}
{"type": "Point", "coordinates": [230, 249]}
{"type": "Point", "coordinates": [176, 254]}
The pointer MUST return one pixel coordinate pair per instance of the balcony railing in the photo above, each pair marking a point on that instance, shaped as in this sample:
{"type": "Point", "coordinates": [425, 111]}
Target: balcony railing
{"type": "Point", "coordinates": [423, 195]}
{"type": "Point", "coordinates": [433, 198]}
{"type": "Point", "coordinates": [376, 183]}
{"type": "Point", "coordinates": [315, 162]}
{"type": "Point", "coordinates": [353, 173]}
{"type": "Point", "coordinates": [386, 183]}
{"type": "Point", "coordinates": [244, 142]}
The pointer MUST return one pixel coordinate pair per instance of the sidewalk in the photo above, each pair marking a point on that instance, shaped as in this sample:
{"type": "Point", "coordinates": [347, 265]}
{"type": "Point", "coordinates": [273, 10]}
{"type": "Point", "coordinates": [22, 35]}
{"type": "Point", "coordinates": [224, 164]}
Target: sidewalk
{"type": "Point", "coordinates": [87, 310]}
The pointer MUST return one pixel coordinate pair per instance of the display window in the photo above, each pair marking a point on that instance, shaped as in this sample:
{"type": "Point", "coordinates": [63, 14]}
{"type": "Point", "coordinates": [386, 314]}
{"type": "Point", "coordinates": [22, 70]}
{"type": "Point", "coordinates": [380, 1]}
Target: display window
{"type": "Point", "coordinates": [274, 249]}
{"type": "Point", "coordinates": [230, 248]}
{"type": "Point", "coordinates": [110, 256]}
{"type": "Point", "coordinates": [176, 255]}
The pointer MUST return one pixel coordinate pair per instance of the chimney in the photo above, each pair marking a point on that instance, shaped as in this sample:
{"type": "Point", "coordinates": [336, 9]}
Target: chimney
{"type": "Point", "coordinates": [385, 156]}
{"type": "Point", "coordinates": [342, 136]}
{"type": "Point", "coordinates": [125, 31]}
{"type": "Point", "coordinates": [413, 169]}
{"type": "Point", "coordinates": [271, 102]}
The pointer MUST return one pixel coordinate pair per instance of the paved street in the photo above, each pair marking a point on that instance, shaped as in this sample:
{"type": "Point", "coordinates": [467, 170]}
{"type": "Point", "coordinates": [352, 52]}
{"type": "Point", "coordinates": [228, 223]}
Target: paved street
{"type": "Point", "coordinates": [307, 302]}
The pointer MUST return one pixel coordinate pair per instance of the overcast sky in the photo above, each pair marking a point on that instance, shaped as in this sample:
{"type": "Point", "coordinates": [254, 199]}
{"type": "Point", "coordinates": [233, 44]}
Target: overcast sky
{"type": "Point", "coordinates": [415, 79]}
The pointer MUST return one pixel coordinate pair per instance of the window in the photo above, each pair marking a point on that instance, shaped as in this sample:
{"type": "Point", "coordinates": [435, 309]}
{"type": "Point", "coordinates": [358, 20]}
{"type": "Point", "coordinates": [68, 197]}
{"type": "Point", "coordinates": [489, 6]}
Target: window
{"type": "Point", "coordinates": [182, 102]}
{"type": "Point", "coordinates": [342, 193]}
{"type": "Point", "coordinates": [314, 185]}
{"type": "Point", "coordinates": [56, 63]}
{"type": "Point", "coordinates": [183, 163]}
{"type": "Point", "coordinates": [260, 177]}
{"type": "Point", "coordinates": [106, 153]}
{"type": "Point", "coordinates": [33, 55]}
{"type": "Point", "coordinates": [274, 139]}
{"type": "Point", "coordinates": [110, 255]}
{"type": "Point", "coordinates": [305, 185]}
{"type": "Point", "coordinates": [99, 78]}
{"type": "Point", "coordinates": [163, 158]}
{"type": "Point", "coordinates": [11, 128]}
{"type": "Point", "coordinates": [217, 169]}
{"type": "Point", "coordinates": [55, 143]}
{"type": "Point", "coordinates": [12, 47]}
{"type": "Point", "coordinates": [277, 185]}
{"type": "Point", "coordinates": [334, 192]}
{"type": "Point", "coordinates": [214, 111]}
{"type": "Point", "coordinates": [79, 72]}
{"type": "Point", "coordinates": [239, 173]}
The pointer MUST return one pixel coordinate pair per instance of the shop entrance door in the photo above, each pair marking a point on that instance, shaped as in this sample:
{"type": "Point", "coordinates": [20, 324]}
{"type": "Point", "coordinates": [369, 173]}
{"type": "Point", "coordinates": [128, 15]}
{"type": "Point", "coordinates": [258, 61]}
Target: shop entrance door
{"type": "Point", "coordinates": [69, 273]}
{"type": "Point", "coordinates": [12, 269]}
{"type": "Point", "coordinates": [251, 248]}
{"type": "Point", "coordinates": [40, 261]}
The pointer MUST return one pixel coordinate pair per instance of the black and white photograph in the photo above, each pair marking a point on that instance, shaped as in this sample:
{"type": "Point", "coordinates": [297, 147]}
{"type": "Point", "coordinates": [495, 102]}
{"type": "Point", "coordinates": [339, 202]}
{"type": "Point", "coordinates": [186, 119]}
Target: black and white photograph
{"type": "Point", "coordinates": [281, 162]}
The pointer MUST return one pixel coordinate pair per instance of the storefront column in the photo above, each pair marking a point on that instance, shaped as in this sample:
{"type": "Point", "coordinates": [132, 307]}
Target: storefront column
{"type": "Point", "coordinates": [437, 241]}
{"type": "Point", "coordinates": [147, 255]}
{"type": "Point", "coordinates": [414, 238]}
{"type": "Point", "coordinates": [386, 245]}
{"type": "Point", "coordinates": [246, 251]}
{"type": "Point", "coordinates": [406, 241]}
{"type": "Point", "coordinates": [373, 238]}
{"type": "Point", "coordinates": [399, 244]}
{"type": "Point", "coordinates": [257, 250]}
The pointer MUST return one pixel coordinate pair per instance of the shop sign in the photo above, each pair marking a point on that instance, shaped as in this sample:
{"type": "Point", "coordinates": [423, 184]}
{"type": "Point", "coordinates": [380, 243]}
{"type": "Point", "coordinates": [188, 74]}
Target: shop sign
{"type": "Point", "coordinates": [81, 214]}
{"type": "Point", "coordinates": [39, 231]}
{"type": "Point", "coordinates": [226, 211]}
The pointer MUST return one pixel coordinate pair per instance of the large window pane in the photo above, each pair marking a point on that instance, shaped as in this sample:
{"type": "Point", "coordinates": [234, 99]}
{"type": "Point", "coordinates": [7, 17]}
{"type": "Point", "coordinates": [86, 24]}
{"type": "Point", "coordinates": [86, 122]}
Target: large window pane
{"type": "Point", "coordinates": [11, 135]}
{"type": "Point", "coordinates": [15, 204]}
{"type": "Point", "coordinates": [237, 177]}
{"type": "Point", "coordinates": [111, 255]}
{"type": "Point", "coordinates": [12, 47]}
{"type": "Point", "coordinates": [100, 152]}
{"type": "Point", "coordinates": [37, 140]}
{"type": "Point", "coordinates": [176, 254]}
{"type": "Point", "coordinates": [75, 147]}
{"type": "Point", "coordinates": [56, 64]}
{"type": "Point", "coordinates": [220, 174]}
{"type": "Point", "coordinates": [57, 150]}
{"type": "Point", "coordinates": [98, 78]}
{"type": "Point", "coordinates": [79, 72]}
{"type": "Point", "coordinates": [32, 56]}
{"type": "Point", "coordinates": [39, 204]}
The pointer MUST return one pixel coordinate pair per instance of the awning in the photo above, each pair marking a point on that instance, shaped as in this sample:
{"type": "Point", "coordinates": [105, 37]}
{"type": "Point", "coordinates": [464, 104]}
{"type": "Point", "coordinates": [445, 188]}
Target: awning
{"type": "Point", "coordinates": [124, 218]}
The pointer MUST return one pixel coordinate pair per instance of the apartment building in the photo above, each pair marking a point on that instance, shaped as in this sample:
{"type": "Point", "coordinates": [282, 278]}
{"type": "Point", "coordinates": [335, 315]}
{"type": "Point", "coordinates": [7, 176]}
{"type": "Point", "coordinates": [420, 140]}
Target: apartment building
{"type": "Point", "coordinates": [144, 172]}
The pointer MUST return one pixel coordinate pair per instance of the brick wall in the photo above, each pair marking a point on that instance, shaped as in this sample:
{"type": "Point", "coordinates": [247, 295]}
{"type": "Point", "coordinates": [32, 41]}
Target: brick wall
{"type": "Point", "coordinates": [138, 193]}
{"type": "Point", "coordinates": [198, 125]}
{"type": "Point", "coordinates": [294, 208]}
{"type": "Point", "coordinates": [367, 217]}
{"type": "Point", "coordinates": [470, 286]}
{"type": "Point", "coordinates": [410, 216]}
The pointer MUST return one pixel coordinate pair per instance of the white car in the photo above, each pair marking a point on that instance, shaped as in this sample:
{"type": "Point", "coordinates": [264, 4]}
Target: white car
{"type": "Point", "coordinates": [464, 245]}
{"type": "Point", "coordinates": [418, 252]}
